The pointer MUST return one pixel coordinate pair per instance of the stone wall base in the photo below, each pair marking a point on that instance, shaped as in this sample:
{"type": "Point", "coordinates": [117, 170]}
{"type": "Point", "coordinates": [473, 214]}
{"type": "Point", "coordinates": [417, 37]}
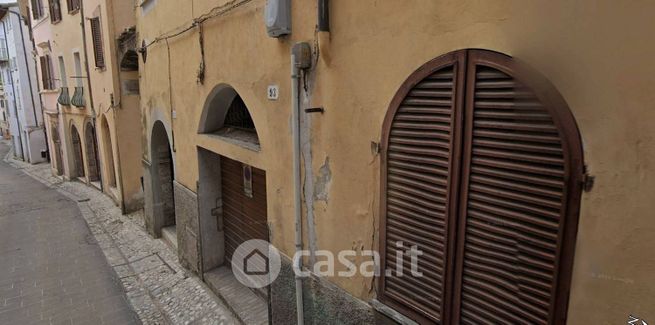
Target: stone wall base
{"type": "Point", "coordinates": [324, 302]}
{"type": "Point", "coordinates": [186, 220]}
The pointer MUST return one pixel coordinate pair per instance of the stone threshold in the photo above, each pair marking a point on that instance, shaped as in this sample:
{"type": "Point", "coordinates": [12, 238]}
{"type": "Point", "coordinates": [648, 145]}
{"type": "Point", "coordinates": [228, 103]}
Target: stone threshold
{"type": "Point", "coordinates": [248, 306]}
{"type": "Point", "coordinates": [169, 235]}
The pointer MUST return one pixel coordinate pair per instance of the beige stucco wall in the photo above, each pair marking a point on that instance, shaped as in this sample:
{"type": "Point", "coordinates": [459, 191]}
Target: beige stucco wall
{"type": "Point", "coordinates": [65, 38]}
{"type": "Point", "coordinates": [597, 53]}
{"type": "Point", "coordinates": [123, 115]}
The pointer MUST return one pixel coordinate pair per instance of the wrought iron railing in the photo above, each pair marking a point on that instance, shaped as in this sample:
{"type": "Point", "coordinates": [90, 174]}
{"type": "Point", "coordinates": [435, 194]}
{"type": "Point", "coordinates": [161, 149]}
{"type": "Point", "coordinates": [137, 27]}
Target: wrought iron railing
{"type": "Point", "coordinates": [78, 97]}
{"type": "Point", "coordinates": [64, 98]}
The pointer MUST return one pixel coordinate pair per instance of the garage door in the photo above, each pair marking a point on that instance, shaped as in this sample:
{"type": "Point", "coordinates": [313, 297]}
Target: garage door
{"type": "Point", "coordinates": [244, 204]}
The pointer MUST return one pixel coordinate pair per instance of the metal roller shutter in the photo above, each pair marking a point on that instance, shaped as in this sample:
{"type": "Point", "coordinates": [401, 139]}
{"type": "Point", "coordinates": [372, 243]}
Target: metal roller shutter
{"type": "Point", "coordinates": [244, 217]}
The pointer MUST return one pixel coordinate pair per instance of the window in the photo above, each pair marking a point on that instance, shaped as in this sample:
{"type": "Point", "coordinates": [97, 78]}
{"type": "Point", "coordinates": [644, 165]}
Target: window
{"type": "Point", "coordinates": [78, 69]}
{"type": "Point", "coordinates": [97, 42]}
{"type": "Point", "coordinates": [62, 72]}
{"type": "Point", "coordinates": [55, 11]}
{"type": "Point", "coordinates": [37, 9]}
{"type": "Point", "coordinates": [481, 171]}
{"type": "Point", "coordinates": [47, 78]}
{"type": "Point", "coordinates": [73, 5]}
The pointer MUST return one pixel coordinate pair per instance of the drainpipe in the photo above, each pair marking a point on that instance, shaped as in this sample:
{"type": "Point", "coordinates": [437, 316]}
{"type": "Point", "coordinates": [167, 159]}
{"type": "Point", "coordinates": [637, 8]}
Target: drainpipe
{"type": "Point", "coordinates": [300, 59]}
{"type": "Point", "coordinates": [88, 82]}
{"type": "Point", "coordinates": [323, 15]}
{"type": "Point", "coordinates": [13, 90]}
{"type": "Point", "coordinates": [323, 30]}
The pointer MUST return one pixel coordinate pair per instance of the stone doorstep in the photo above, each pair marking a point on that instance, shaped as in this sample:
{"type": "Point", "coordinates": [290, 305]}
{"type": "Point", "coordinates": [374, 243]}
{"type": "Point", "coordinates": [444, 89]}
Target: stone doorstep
{"type": "Point", "coordinates": [249, 307]}
{"type": "Point", "coordinates": [169, 235]}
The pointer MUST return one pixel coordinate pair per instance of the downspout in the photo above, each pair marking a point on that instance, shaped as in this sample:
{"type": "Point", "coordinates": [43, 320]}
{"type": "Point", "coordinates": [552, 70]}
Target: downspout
{"type": "Point", "coordinates": [300, 59]}
{"type": "Point", "coordinates": [88, 82]}
{"type": "Point", "coordinates": [13, 90]}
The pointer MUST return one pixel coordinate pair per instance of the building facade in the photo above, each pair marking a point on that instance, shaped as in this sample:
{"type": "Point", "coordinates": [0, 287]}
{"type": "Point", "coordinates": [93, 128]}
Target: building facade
{"type": "Point", "coordinates": [22, 106]}
{"type": "Point", "coordinates": [469, 129]}
{"type": "Point", "coordinates": [89, 94]}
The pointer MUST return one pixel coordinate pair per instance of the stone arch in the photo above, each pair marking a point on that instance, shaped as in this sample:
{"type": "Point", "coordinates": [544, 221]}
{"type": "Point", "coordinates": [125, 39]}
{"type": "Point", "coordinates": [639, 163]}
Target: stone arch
{"type": "Point", "coordinates": [232, 206]}
{"type": "Point", "coordinates": [78, 157]}
{"type": "Point", "coordinates": [130, 61]}
{"type": "Point", "coordinates": [108, 152]}
{"type": "Point", "coordinates": [162, 176]}
{"type": "Point", "coordinates": [90, 142]}
{"type": "Point", "coordinates": [226, 114]}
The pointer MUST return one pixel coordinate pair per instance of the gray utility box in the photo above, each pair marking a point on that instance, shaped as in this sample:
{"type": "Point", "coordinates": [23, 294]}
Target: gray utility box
{"type": "Point", "coordinates": [278, 17]}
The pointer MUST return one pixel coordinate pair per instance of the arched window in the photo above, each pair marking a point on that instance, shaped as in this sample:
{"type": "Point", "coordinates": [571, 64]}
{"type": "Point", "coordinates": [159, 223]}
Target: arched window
{"type": "Point", "coordinates": [481, 172]}
{"type": "Point", "coordinates": [226, 115]}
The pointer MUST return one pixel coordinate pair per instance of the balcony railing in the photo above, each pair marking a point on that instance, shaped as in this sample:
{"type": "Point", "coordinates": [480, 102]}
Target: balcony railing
{"type": "Point", "coordinates": [4, 54]}
{"type": "Point", "coordinates": [78, 97]}
{"type": "Point", "coordinates": [64, 98]}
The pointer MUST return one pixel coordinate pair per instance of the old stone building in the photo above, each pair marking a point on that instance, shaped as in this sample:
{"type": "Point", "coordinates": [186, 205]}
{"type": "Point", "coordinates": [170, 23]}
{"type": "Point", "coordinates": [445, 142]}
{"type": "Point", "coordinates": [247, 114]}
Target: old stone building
{"type": "Point", "coordinates": [468, 129]}
{"type": "Point", "coordinates": [90, 93]}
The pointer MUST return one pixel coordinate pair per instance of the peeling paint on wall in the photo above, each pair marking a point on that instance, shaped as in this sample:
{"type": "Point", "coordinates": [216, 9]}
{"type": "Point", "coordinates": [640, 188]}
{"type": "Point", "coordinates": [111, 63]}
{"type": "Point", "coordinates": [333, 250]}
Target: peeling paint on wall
{"type": "Point", "coordinates": [322, 183]}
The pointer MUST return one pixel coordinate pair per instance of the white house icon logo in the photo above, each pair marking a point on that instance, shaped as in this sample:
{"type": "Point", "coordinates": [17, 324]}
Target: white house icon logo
{"type": "Point", "coordinates": [632, 320]}
{"type": "Point", "coordinates": [256, 263]}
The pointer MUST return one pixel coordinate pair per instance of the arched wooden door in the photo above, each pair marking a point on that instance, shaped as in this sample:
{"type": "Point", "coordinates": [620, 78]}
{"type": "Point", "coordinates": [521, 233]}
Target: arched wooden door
{"type": "Point", "coordinates": [77, 152]}
{"type": "Point", "coordinates": [481, 171]}
{"type": "Point", "coordinates": [92, 152]}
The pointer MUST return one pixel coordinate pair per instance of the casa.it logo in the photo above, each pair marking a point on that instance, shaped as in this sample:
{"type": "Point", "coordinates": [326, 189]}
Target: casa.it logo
{"type": "Point", "coordinates": [256, 263]}
{"type": "Point", "coordinates": [632, 320]}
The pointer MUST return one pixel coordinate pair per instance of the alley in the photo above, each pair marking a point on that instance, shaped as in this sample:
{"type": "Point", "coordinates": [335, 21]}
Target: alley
{"type": "Point", "coordinates": [51, 268]}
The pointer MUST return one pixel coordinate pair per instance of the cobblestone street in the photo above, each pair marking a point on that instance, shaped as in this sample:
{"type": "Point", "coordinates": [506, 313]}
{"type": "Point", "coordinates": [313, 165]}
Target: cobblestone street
{"type": "Point", "coordinates": [57, 269]}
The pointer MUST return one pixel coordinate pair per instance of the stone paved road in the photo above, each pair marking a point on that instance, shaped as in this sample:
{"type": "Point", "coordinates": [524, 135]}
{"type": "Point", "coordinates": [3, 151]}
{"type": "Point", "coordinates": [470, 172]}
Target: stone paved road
{"type": "Point", "coordinates": [51, 268]}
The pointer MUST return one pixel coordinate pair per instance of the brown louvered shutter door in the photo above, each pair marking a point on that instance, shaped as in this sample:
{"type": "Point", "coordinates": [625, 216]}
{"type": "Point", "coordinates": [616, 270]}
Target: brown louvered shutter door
{"type": "Point", "coordinates": [482, 170]}
{"type": "Point", "coordinates": [97, 42]}
{"type": "Point", "coordinates": [516, 178]}
{"type": "Point", "coordinates": [419, 175]}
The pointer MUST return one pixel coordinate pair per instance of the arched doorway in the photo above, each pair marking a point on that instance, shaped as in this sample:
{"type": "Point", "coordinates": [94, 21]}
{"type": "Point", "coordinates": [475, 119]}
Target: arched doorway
{"type": "Point", "coordinates": [92, 153]}
{"type": "Point", "coordinates": [108, 153]}
{"type": "Point", "coordinates": [78, 160]}
{"type": "Point", "coordinates": [163, 174]}
{"type": "Point", "coordinates": [56, 148]}
{"type": "Point", "coordinates": [231, 194]}
{"type": "Point", "coordinates": [481, 171]}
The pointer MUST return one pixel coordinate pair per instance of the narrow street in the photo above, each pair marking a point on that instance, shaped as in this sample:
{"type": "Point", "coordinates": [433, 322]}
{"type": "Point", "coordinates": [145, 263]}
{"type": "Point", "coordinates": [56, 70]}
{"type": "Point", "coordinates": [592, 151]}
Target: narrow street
{"type": "Point", "coordinates": [52, 270]}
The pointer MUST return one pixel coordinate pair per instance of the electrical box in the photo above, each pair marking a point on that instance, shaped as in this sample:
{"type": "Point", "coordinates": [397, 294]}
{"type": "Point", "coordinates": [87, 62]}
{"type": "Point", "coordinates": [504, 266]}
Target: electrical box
{"type": "Point", "coordinates": [278, 17]}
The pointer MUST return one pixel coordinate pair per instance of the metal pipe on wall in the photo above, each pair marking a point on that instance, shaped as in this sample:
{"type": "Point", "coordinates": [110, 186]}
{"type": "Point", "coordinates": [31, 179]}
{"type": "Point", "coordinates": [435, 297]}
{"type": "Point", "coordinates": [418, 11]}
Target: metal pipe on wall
{"type": "Point", "coordinates": [323, 15]}
{"type": "Point", "coordinates": [295, 127]}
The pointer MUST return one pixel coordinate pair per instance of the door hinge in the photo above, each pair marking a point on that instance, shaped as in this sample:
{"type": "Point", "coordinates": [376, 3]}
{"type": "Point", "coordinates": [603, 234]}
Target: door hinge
{"type": "Point", "coordinates": [375, 148]}
{"type": "Point", "coordinates": [588, 181]}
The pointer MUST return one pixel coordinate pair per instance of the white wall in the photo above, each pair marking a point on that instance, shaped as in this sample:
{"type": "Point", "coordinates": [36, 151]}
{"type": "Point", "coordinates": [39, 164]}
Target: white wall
{"type": "Point", "coordinates": [22, 93]}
